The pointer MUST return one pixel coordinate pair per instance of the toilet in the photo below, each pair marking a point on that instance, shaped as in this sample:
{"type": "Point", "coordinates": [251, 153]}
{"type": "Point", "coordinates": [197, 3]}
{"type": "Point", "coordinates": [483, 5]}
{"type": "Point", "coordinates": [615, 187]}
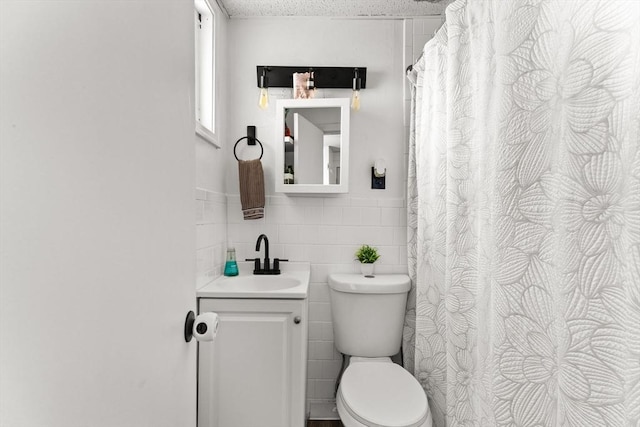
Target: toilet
{"type": "Point", "coordinates": [368, 316]}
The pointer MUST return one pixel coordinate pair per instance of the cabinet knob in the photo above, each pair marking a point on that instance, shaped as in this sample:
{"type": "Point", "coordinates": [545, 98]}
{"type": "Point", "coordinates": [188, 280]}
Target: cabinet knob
{"type": "Point", "coordinates": [297, 320]}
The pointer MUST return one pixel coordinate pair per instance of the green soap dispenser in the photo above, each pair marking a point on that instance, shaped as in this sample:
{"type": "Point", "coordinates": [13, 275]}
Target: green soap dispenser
{"type": "Point", "coordinates": [231, 266]}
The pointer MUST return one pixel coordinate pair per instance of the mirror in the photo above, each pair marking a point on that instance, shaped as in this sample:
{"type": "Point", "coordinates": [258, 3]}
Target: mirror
{"type": "Point", "coordinates": [312, 145]}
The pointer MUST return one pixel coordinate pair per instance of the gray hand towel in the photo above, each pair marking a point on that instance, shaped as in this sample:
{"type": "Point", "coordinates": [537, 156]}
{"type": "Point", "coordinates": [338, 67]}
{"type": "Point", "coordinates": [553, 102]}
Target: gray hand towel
{"type": "Point", "coordinates": [251, 188]}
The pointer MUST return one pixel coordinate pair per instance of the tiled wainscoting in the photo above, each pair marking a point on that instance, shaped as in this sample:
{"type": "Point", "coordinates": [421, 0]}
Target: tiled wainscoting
{"type": "Point", "coordinates": [211, 235]}
{"type": "Point", "coordinates": [325, 231]}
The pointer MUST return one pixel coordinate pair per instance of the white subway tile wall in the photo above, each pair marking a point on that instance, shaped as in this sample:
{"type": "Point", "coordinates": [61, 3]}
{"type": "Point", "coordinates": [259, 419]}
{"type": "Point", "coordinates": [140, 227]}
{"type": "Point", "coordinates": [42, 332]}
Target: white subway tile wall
{"type": "Point", "coordinates": [325, 231]}
{"type": "Point", "coordinates": [211, 235]}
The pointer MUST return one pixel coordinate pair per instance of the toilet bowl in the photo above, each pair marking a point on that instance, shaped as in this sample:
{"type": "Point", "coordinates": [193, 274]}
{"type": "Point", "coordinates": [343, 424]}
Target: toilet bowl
{"type": "Point", "coordinates": [377, 392]}
{"type": "Point", "coordinates": [368, 316]}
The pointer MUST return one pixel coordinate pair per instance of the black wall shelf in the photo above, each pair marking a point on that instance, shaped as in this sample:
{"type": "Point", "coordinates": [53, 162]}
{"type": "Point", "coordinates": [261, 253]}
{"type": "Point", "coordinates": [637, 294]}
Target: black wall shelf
{"type": "Point", "coordinates": [324, 77]}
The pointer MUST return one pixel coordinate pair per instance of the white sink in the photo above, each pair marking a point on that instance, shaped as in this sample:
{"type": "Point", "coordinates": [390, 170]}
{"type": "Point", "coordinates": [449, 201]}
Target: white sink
{"type": "Point", "coordinates": [291, 283]}
{"type": "Point", "coordinates": [258, 283]}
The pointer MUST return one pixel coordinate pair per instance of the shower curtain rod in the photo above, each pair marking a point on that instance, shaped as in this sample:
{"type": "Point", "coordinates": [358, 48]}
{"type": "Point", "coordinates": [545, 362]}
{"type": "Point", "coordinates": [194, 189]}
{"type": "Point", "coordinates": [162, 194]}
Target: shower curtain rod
{"type": "Point", "coordinates": [410, 67]}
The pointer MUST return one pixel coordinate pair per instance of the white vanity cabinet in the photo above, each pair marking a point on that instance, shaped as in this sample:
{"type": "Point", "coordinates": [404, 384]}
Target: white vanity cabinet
{"type": "Point", "coordinates": [254, 373]}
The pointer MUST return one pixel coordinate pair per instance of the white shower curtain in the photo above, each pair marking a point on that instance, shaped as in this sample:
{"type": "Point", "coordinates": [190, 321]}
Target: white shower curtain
{"type": "Point", "coordinates": [524, 215]}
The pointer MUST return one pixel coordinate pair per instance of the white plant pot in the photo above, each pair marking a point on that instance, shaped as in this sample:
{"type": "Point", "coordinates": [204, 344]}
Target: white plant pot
{"type": "Point", "coordinates": [367, 269]}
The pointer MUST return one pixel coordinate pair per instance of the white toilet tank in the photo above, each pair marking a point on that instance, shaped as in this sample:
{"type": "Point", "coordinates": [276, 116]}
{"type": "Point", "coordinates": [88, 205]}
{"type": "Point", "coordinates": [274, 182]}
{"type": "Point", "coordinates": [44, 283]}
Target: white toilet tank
{"type": "Point", "coordinates": [368, 313]}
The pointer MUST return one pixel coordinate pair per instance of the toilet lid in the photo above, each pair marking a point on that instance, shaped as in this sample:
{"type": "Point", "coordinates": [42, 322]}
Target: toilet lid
{"type": "Point", "coordinates": [383, 394]}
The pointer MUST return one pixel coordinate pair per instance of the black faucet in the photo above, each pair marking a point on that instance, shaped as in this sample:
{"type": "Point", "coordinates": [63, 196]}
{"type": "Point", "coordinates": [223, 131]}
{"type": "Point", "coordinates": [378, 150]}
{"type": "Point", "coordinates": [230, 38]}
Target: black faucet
{"type": "Point", "coordinates": [264, 237]}
{"type": "Point", "coordinates": [266, 268]}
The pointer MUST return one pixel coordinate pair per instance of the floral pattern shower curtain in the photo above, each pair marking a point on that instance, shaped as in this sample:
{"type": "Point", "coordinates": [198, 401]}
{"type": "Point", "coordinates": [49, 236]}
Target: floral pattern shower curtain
{"type": "Point", "coordinates": [524, 215]}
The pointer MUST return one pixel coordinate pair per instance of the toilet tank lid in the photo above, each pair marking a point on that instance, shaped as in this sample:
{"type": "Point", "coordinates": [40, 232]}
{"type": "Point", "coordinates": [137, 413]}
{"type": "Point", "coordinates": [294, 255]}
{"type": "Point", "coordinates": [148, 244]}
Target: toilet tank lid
{"type": "Point", "coordinates": [379, 284]}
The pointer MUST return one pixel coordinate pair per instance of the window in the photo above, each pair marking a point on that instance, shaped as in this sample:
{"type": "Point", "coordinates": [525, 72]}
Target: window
{"type": "Point", "coordinates": [205, 71]}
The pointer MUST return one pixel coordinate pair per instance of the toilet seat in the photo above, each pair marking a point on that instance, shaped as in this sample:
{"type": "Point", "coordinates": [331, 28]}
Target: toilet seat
{"type": "Point", "coordinates": [383, 395]}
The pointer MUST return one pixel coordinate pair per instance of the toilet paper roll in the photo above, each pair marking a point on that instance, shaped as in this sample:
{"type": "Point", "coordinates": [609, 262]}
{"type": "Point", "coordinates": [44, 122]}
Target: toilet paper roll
{"type": "Point", "coordinates": [205, 327]}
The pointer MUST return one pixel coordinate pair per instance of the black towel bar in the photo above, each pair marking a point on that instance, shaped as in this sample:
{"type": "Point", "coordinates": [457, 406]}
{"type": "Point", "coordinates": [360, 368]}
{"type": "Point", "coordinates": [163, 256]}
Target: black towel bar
{"type": "Point", "coordinates": [248, 138]}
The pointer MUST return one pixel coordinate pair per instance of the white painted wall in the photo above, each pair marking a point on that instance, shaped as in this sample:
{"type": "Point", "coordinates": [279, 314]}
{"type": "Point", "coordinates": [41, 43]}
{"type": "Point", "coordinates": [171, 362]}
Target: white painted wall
{"type": "Point", "coordinates": [97, 221]}
{"type": "Point", "coordinates": [211, 163]}
{"type": "Point", "coordinates": [376, 130]}
{"type": "Point", "coordinates": [325, 230]}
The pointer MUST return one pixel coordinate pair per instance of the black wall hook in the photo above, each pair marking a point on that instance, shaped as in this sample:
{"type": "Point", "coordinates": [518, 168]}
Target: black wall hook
{"type": "Point", "coordinates": [251, 135]}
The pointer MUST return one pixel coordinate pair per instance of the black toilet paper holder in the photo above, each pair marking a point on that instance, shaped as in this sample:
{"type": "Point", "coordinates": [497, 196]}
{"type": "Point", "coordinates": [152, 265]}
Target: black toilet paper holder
{"type": "Point", "coordinates": [201, 327]}
{"type": "Point", "coordinates": [188, 325]}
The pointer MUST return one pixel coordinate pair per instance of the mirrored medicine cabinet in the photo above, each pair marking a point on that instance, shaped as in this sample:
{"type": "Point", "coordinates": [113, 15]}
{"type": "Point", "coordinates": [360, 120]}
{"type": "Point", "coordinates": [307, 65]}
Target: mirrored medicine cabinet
{"type": "Point", "coordinates": [312, 145]}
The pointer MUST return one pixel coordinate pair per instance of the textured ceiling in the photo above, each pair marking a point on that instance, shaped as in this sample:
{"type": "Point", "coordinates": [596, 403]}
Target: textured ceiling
{"type": "Point", "coordinates": [342, 8]}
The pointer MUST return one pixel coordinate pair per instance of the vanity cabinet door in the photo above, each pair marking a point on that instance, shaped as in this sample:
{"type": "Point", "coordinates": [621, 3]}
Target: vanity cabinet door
{"type": "Point", "coordinates": [254, 373]}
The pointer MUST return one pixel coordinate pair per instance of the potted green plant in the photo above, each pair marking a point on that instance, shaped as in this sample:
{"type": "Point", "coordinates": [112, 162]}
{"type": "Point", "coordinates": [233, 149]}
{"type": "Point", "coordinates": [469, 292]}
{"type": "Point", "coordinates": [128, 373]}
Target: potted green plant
{"type": "Point", "coordinates": [367, 255]}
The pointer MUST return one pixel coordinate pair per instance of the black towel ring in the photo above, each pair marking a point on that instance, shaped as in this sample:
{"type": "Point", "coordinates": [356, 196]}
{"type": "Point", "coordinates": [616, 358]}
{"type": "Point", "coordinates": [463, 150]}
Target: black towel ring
{"type": "Point", "coordinates": [248, 137]}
